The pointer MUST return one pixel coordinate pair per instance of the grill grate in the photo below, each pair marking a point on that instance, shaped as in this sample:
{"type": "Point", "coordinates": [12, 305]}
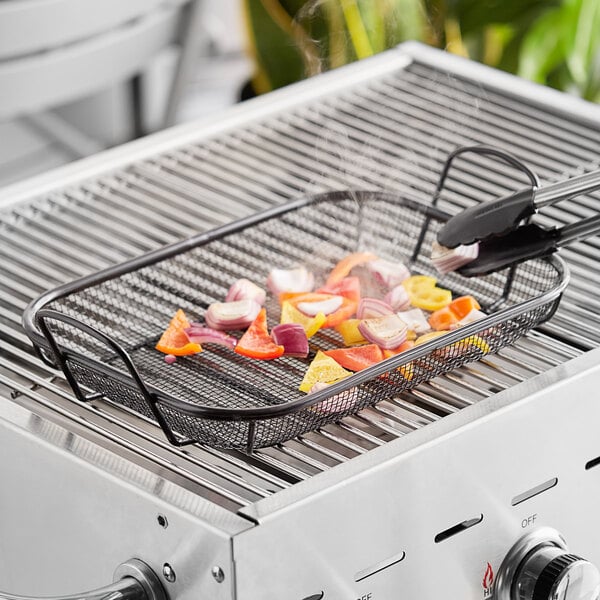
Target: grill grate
{"type": "Point", "coordinates": [392, 131]}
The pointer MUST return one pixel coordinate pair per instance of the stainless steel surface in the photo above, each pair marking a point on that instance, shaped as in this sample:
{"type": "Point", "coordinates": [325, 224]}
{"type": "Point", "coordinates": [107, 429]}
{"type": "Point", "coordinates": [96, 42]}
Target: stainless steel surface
{"type": "Point", "coordinates": [320, 509]}
{"type": "Point", "coordinates": [68, 501]}
{"type": "Point", "coordinates": [562, 190]}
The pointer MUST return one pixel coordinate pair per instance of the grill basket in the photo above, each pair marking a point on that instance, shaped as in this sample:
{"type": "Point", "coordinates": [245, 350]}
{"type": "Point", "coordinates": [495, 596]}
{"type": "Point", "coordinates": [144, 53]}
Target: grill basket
{"type": "Point", "coordinates": [102, 329]}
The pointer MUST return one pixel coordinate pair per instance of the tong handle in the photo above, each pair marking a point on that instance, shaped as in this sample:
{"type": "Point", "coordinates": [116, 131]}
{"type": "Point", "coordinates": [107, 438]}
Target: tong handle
{"type": "Point", "coordinates": [500, 216]}
{"type": "Point", "coordinates": [569, 188]}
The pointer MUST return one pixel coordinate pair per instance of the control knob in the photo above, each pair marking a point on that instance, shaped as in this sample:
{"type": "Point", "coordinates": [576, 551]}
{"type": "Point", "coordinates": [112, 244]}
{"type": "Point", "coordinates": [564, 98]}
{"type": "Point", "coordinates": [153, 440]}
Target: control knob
{"type": "Point", "coordinates": [540, 567]}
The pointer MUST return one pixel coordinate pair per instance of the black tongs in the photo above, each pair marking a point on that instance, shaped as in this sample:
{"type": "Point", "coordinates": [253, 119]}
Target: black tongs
{"type": "Point", "coordinates": [503, 238]}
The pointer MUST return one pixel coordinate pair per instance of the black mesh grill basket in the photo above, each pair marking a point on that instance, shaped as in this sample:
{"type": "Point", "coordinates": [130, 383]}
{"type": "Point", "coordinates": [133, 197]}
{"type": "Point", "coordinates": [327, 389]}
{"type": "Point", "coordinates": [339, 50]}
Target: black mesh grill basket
{"type": "Point", "coordinates": [102, 329]}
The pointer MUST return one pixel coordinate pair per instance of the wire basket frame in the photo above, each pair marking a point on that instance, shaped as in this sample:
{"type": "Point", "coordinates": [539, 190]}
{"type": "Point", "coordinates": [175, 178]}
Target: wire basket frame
{"type": "Point", "coordinates": [101, 330]}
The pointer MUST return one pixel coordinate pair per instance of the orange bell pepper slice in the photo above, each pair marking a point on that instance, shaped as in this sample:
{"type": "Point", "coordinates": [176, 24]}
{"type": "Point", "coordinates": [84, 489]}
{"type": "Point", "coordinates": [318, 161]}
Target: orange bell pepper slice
{"type": "Point", "coordinates": [256, 341]}
{"type": "Point", "coordinates": [345, 311]}
{"type": "Point", "coordinates": [463, 305]}
{"type": "Point", "coordinates": [174, 340]}
{"type": "Point", "coordinates": [343, 268]}
{"type": "Point", "coordinates": [443, 319]}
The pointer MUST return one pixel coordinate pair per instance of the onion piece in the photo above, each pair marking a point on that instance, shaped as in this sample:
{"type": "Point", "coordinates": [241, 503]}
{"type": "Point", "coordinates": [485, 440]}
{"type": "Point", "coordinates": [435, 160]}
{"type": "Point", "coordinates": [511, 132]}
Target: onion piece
{"type": "Point", "coordinates": [471, 317]}
{"type": "Point", "coordinates": [232, 315]}
{"type": "Point", "coordinates": [170, 359]}
{"type": "Point", "coordinates": [415, 320]}
{"type": "Point", "coordinates": [398, 298]}
{"type": "Point", "coordinates": [387, 332]}
{"type": "Point", "coordinates": [450, 259]}
{"type": "Point", "coordinates": [386, 273]}
{"type": "Point", "coordinates": [326, 307]}
{"type": "Point", "coordinates": [206, 335]}
{"type": "Point", "coordinates": [295, 280]}
{"type": "Point", "coordinates": [372, 307]}
{"type": "Point", "coordinates": [292, 337]}
{"type": "Point", "coordinates": [244, 289]}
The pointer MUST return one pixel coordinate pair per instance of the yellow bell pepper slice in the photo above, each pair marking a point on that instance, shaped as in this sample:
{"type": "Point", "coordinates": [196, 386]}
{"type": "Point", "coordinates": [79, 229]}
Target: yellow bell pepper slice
{"type": "Point", "coordinates": [350, 332]}
{"type": "Point", "coordinates": [290, 314]}
{"type": "Point", "coordinates": [424, 293]}
{"type": "Point", "coordinates": [323, 369]}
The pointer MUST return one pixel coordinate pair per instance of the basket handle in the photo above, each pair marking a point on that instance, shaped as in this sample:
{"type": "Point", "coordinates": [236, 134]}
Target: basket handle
{"type": "Point", "coordinates": [485, 150]}
{"type": "Point", "coordinates": [62, 358]}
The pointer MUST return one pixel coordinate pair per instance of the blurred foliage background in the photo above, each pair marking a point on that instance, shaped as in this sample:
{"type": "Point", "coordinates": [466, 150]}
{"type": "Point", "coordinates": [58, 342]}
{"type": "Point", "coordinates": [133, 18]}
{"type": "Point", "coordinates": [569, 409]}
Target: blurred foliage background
{"type": "Point", "coordinates": [552, 42]}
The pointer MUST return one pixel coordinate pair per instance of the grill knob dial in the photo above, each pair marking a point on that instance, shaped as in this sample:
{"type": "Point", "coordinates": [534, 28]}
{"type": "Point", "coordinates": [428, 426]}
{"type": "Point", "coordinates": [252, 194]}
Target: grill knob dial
{"type": "Point", "coordinates": [539, 567]}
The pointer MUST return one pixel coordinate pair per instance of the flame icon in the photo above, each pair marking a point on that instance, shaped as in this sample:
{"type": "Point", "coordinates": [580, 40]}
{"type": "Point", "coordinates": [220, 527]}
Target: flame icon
{"type": "Point", "coordinates": [488, 578]}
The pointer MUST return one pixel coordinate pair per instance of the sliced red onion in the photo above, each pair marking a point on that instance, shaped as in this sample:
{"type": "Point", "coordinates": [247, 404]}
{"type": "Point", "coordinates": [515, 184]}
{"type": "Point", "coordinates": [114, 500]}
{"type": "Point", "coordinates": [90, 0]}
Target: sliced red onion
{"type": "Point", "coordinates": [206, 335]}
{"type": "Point", "coordinates": [474, 315]}
{"type": "Point", "coordinates": [372, 307]}
{"type": "Point", "coordinates": [328, 306]}
{"type": "Point", "coordinates": [292, 337]}
{"type": "Point", "coordinates": [387, 273]}
{"type": "Point", "coordinates": [446, 260]}
{"type": "Point", "coordinates": [232, 315]}
{"type": "Point", "coordinates": [415, 320]}
{"type": "Point", "coordinates": [398, 298]}
{"type": "Point", "coordinates": [387, 332]}
{"type": "Point", "coordinates": [299, 279]}
{"type": "Point", "coordinates": [170, 359]}
{"type": "Point", "coordinates": [244, 289]}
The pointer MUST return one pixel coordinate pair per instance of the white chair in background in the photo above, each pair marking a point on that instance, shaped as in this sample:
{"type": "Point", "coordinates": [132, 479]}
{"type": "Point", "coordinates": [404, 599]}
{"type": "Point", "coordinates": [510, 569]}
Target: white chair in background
{"type": "Point", "coordinates": [53, 52]}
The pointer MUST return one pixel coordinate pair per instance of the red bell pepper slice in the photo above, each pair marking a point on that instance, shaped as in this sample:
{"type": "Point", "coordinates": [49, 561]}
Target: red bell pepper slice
{"type": "Point", "coordinates": [256, 342]}
{"type": "Point", "coordinates": [349, 287]}
{"type": "Point", "coordinates": [357, 358]}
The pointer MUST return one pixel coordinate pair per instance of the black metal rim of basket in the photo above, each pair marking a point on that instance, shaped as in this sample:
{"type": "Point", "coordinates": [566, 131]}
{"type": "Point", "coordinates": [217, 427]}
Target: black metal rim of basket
{"type": "Point", "coordinates": [36, 316]}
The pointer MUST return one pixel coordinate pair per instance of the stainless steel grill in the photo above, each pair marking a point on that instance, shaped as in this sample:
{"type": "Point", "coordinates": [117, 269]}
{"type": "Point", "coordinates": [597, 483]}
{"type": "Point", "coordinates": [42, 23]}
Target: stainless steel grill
{"type": "Point", "coordinates": [387, 123]}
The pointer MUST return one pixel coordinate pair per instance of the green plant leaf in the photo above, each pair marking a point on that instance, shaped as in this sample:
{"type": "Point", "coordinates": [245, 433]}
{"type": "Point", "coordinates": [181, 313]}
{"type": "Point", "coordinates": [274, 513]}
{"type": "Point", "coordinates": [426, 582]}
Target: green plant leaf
{"type": "Point", "coordinates": [473, 15]}
{"type": "Point", "coordinates": [543, 47]}
{"type": "Point", "coordinates": [583, 40]}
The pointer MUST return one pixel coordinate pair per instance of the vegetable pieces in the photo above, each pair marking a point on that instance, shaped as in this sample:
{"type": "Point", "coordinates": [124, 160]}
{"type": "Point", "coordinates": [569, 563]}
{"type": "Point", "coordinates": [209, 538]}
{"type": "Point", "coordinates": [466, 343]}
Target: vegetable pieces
{"type": "Point", "coordinates": [390, 319]}
{"type": "Point", "coordinates": [358, 358]}
{"type": "Point", "coordinates": [450, 316]}
{"type": "Point", "coordinates": [424, 293]}
{"type": "Point", "coordinates": [232, 315]}
{"type": "Point", "coordinates": [292, 337]}
{"type": "Point", "coordinates": [323, 369]}
{"type": "Point", "coordinates": [174, 340]}
{"type": "Point", "coordinates": [387, 332]}
{"type": "Point", "coordinates": [290, 314]}
{"type": "Point", "coordinates": [256, 342]}
{"type": "Point", "coordinates": [344, 266]}
{"type": "Point", "coordinates": [345, 310]}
